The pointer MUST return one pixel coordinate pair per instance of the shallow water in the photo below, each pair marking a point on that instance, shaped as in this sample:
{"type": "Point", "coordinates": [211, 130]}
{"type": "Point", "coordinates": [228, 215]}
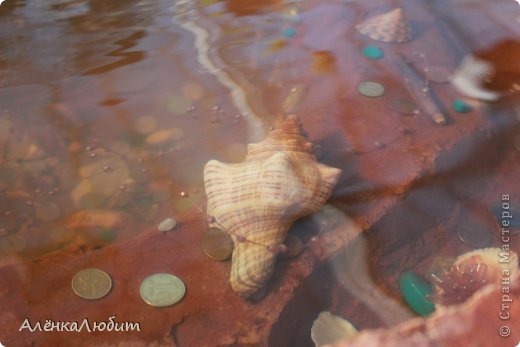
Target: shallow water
{"type": "Point", "coordinates": [109, 111]}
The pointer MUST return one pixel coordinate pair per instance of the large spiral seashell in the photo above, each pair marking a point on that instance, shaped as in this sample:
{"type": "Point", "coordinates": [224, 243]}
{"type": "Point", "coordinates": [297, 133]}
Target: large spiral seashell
{"type": "Point", "coordinates": [257, 201]}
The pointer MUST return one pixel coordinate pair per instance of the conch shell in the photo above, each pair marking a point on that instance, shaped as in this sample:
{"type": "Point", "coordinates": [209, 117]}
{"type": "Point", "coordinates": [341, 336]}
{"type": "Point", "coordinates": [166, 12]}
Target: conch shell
{"type": "Point", "coordinates": [256, 201]}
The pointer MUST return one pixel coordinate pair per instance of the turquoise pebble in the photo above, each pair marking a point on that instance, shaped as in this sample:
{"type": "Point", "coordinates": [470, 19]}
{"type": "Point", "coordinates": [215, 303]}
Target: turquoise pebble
{"type": "Point", "coordinates": [460, 106]}
{"type": "Point", "coordinates": [289, 32]}
{"type": "Point", "coordinates": [373, 52]}
{"type": "Point", "coordinates": [415, 290]}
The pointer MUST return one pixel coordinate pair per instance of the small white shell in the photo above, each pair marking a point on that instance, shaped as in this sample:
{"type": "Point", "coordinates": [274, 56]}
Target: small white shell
{"type": "Point", "coordinates": [328, 329]}
{"type": "Point", "coordinates": [167, 225]}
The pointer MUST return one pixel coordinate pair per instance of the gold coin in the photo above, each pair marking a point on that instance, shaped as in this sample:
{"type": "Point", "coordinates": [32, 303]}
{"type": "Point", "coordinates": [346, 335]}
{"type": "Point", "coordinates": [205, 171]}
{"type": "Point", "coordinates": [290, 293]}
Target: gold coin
{"type": "Point", "coordinates": [162, 289]}
{"type": "Point", "coordinates": [217, 244]}
{"type": "Point", "coordinates": [91, 283]}
{"type": "Point", "coordinates": [294, 246]}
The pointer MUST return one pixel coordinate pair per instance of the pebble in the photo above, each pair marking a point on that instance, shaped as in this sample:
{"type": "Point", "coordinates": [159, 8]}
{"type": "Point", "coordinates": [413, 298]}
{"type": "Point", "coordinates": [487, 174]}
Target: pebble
{"type": "Point", "coordinates": [145, 124]}
{"type": "Point", "coordinates": [322, 61]}
{"type": "Point", "coordinates": [47, 212]}
{"type": "Point", "coordinates": [161, 136]}
{"type": "Point", "coordinates": [289, 32]}
{"type": "Point", "coordinates": [178, 104]}
{"type": "Point", "coordinates": [461, 106]}
{"type": "Point", "coordinates": [373, 52]}
{"type": "Point", "coordinates": [167, 225]}
{"type": "Point", "coordinates": [415, 290]}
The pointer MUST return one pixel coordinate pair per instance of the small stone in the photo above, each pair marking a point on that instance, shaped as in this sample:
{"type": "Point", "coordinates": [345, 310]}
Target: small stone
{"type": "Point", "coordinates": [461, 107]}
{"type": "Point", "coordinates": [289, 32]}
{"type": "Point", "coordinates": [415, 290]}
{"type": "Point", "coordinates": [167, 225]}
{"type": "Point", "coordinates": [145, 124]}
{"type": "Point", "coordinates": [47, 212]}
{"type": "Point", "coordinates": [373, 52]}
{"type": "Point", "coordinates": [74, 148]}
{"type": "Point", "coordinates": [159, 136]}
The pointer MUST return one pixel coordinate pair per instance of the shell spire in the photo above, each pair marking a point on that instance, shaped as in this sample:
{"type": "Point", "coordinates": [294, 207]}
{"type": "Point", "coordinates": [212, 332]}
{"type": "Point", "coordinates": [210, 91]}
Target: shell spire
{"type": "Point", "coordinates": [387, 27]}
{"type": "Point", "coordinates": [257, 201]}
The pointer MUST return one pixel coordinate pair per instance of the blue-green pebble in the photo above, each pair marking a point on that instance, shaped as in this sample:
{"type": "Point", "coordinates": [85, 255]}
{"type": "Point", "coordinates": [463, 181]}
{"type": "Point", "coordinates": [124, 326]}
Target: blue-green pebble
{"type": "Point", "coordinates": [460, 106]}
{"type": "Point", "coordinates": [373, 52]}
{"type": "Point", "coordinates": [289, 32]}
{"type": "Point", "coordinates": [415, 290]}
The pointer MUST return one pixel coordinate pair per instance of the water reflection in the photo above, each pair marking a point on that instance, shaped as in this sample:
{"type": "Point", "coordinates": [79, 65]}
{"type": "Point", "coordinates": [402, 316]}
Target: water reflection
{"type": "Point", "coordinates": [110, 109]}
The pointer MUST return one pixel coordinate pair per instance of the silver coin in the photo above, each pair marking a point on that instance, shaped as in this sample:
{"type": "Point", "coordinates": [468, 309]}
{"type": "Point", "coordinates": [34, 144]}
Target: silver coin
{"type": "Point", "coordinates": [475, 236]}
{"type": "Point", "coordinates": [371, 89]}
{"type": "Point", "coordinates": [162, 289]}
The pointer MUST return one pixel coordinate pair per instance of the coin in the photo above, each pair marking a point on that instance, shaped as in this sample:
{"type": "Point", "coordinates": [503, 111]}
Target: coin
{"type": "Point", "coordinates": [403, 106]}
{"type": "Point", "coordinates": [440, 265]}
{"type": "Point", "coordinates": [162, 289]}
{"type": "Point", "coordinates": [294, 246]}
{"type": "Point", "coordinates": [91, 283]}
{"type": "Point", "coordinates": [371, 89]}
{"type": "Point", "coordinates": [475, 236]}
{"type": "Point", "coordinates": [438, 74]}
{"type": "Point", "coordinates": [217, 244]}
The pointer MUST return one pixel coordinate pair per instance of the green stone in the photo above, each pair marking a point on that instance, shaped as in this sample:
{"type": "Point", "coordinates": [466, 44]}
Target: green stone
{"type": "Point", "coordinates": [415, 290]}
{"type": "Point", "coordinates": [460, 106]}
{"type": "Point", "coordinates": [373, 52]}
